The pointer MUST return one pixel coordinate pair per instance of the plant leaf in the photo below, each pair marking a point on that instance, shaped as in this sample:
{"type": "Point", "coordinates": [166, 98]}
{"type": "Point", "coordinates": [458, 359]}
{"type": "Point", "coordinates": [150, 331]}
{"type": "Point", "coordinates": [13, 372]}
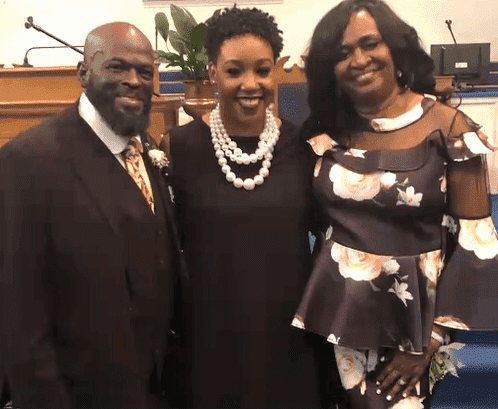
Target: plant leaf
{"type": "Point", "coordinates": [196, 37]}
{"type": "Point", "coordinates": [162, 25]}
{"type": "Point", "coordinates": [187, 42]}
{"type": "Point", "coordinates": [168, 57]}
{"type": "Point", "coordinates": [202, 56]}
{"type": "Point", "coordinates": [200, 70]}
{"type": "Point", "coordinates": [184, 21]}
{"type": "Point", "coordinates": [177, 42]}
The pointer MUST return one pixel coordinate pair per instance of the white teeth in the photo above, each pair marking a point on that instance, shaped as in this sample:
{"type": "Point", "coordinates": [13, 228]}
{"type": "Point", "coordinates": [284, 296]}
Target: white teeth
{"type": "Point", "coordinates": [364, 76]}
{"type": "Point", "coordinates": [249, 102]}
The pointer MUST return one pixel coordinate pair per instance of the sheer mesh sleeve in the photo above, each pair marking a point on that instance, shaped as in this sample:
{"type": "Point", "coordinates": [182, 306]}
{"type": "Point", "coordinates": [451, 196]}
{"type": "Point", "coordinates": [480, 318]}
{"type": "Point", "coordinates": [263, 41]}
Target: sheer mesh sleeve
{"type": "Point", "coordinates": [467, 174]}
{"type": "Point", "coordinates": [468, 196]}
{"type": "Point", "coordinates": [468, 287]}
{"type": "Point", "coordinates": [464, 139]}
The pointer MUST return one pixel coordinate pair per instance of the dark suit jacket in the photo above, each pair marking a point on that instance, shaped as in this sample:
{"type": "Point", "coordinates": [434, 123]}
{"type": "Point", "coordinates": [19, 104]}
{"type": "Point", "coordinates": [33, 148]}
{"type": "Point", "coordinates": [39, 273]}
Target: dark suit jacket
{"type": "Point", "coordinates": [86, 272]}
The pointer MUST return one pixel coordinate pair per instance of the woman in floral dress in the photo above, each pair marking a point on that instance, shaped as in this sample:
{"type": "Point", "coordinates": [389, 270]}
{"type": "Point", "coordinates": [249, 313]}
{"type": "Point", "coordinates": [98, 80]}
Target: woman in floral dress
{"type": "Point", "coordinates": [406, 249]}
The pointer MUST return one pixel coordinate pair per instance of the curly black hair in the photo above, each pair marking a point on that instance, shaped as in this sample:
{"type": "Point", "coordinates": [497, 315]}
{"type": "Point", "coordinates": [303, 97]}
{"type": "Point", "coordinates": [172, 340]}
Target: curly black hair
{"type": "Point", "coordinates": [331, 110]}
{"type": "Point", "coordinates": [230, 22]}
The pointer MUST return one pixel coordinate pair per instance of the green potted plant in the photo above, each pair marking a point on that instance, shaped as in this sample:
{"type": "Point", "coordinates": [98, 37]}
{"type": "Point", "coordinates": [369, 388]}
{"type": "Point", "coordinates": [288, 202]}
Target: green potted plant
{"type": "Point", "coordinates": [190, 55]}
{"type": "Point", "coordinates": [187, 52]}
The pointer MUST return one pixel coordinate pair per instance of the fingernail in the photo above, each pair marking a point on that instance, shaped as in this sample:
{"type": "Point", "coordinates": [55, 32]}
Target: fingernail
{"type": "Point", "coordinates": [405, 395]}
{"type": "Point", "coordinates": [378, 391]}
{"type": "Point", "coordinates": [389, 398]}
{"type": "Point", "coordinates": [377, 383]}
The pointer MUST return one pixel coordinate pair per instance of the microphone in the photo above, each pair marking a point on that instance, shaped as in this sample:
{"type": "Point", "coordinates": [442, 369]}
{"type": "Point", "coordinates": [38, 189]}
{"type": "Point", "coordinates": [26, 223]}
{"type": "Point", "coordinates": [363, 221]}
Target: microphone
{"type": "Point", "coordinates": [448, 23]}
{"type": "Point", "coordinates": [29, 23]}
{"type": "Point", "coordinates": [26, 62]}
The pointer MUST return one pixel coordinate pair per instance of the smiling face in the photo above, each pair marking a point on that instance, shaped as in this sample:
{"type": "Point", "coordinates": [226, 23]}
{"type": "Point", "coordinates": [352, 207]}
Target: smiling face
{"type": "Point", "coordinates": [242, 73]}
{"type": "Point", "coordinates": [366, 71]}
{"type": "Point", "coordinates": [117, 76]}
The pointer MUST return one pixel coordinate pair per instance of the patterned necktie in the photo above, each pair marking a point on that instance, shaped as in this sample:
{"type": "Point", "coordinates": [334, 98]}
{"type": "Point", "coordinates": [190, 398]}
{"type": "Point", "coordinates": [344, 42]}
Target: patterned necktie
{"type": "Point", "coordinates": [132, 158]}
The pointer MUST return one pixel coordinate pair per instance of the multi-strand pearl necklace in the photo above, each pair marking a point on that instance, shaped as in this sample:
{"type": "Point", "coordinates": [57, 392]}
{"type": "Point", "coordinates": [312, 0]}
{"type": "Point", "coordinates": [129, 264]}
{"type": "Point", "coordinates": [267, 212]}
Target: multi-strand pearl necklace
{"type": "Point", "coordinates": [225, 148]}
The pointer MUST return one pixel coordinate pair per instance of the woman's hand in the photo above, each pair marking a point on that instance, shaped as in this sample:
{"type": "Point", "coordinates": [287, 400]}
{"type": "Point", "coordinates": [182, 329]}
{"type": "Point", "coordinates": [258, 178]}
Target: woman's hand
{"type": "Point", "coordinates": [402, 374]}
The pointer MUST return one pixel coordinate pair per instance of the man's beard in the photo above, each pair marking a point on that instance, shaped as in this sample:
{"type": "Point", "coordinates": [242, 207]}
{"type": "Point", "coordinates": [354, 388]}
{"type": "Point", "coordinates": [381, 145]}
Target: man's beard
{"type": "Point", "coordinates": [127, 122]}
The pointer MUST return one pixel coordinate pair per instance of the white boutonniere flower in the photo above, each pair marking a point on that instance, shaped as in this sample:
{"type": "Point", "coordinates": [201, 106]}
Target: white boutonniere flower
{"type": "Point", "coordinates": [157, 156]}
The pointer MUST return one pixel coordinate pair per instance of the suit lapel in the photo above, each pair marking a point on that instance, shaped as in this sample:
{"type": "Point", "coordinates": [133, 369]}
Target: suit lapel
{"type": "Point", "coordinates": [113, 190]}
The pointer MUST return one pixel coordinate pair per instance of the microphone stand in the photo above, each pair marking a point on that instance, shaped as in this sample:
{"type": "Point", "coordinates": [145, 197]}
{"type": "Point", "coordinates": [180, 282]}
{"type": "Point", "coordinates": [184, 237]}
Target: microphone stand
{"type": "Point", "coordinates": [458, 84]}
{"type": "Point", "coordinates": [29, 23]}
{"type": "Point", "coordinates": [448, 23]}
{"type": "Point", "coordinates": [26, 62]}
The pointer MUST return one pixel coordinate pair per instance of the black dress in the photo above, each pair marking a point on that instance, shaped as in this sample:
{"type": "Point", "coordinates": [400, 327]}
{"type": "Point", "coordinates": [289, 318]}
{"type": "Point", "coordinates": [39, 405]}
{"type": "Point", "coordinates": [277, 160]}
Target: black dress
{"type": "Point", "coordinates": [249, 261]}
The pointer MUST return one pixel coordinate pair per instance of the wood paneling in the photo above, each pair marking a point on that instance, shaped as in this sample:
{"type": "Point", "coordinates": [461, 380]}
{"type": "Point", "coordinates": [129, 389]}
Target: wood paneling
{"type": "Point", "coordinates": [29, 95]}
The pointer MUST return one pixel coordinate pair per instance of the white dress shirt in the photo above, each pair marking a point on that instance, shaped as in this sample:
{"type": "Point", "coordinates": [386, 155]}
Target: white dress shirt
{"type": "Point", "coordinates": [116, 143]}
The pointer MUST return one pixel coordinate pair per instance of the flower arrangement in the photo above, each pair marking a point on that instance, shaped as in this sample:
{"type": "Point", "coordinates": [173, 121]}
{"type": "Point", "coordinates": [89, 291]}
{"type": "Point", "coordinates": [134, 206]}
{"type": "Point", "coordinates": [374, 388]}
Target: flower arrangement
{"type": "Point", "coordinates": [190, 55]}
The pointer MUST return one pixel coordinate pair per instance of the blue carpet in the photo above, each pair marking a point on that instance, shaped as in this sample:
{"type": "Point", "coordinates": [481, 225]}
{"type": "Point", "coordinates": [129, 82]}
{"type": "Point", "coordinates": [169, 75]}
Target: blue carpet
{"type": "Point", "coordinates": [470, 390]}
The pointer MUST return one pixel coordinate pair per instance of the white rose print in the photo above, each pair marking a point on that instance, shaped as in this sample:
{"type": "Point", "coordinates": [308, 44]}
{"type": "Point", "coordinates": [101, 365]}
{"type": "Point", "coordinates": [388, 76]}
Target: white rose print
{"type": "Point", "coordinates": [351, 364]}
{"type": "Point", "coordinates": [361, 266]}
{"type": "Point", "coordinates": [480, 237]}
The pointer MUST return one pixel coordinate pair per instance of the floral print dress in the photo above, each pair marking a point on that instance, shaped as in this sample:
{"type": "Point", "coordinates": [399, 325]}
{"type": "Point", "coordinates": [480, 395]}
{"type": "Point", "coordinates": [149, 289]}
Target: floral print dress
{"type": "Point", "coordinates": [406, 240]}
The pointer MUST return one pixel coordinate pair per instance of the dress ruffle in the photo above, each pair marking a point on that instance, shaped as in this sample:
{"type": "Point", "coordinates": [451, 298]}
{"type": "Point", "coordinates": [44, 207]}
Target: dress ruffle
{"type": "Point", "coordinates": [467, 291]}
{"type": "Point", "coordinates": [370, 295]}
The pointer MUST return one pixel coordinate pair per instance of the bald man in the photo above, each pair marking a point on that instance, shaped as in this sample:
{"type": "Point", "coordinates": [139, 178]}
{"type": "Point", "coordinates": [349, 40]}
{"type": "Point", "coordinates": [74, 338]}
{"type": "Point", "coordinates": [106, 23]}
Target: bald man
{"type": "Point", "coordinates": [89, 253]}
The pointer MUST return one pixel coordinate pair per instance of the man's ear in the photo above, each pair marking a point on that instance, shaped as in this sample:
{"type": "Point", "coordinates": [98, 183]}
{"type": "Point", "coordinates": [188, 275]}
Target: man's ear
{"type": "Point", "coordinates": [83, 73]}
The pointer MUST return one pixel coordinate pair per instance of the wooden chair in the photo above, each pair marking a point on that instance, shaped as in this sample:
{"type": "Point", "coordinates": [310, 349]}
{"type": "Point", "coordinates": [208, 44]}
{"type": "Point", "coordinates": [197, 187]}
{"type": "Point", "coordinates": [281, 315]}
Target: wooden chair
{"type": "Point", "coordinates": [291, 92]}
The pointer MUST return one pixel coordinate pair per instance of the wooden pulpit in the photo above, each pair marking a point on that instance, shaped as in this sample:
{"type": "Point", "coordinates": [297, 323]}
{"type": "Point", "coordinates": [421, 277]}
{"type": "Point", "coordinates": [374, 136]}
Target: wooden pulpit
{"type": "Point", "coordinates": [28, 95]}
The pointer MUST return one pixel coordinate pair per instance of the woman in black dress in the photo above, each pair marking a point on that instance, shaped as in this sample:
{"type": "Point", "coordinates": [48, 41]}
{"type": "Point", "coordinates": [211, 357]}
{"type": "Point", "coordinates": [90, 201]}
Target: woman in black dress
{"type": "Point", "coordinates": [407, 250]}
{"type": "Point", "coordinates": [242, 186]}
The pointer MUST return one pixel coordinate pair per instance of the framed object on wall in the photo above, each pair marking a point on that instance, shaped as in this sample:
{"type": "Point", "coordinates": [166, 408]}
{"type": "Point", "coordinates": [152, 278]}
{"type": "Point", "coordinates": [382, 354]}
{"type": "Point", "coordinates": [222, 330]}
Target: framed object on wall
{"type": "Point", "coordinates": [162, 3]}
